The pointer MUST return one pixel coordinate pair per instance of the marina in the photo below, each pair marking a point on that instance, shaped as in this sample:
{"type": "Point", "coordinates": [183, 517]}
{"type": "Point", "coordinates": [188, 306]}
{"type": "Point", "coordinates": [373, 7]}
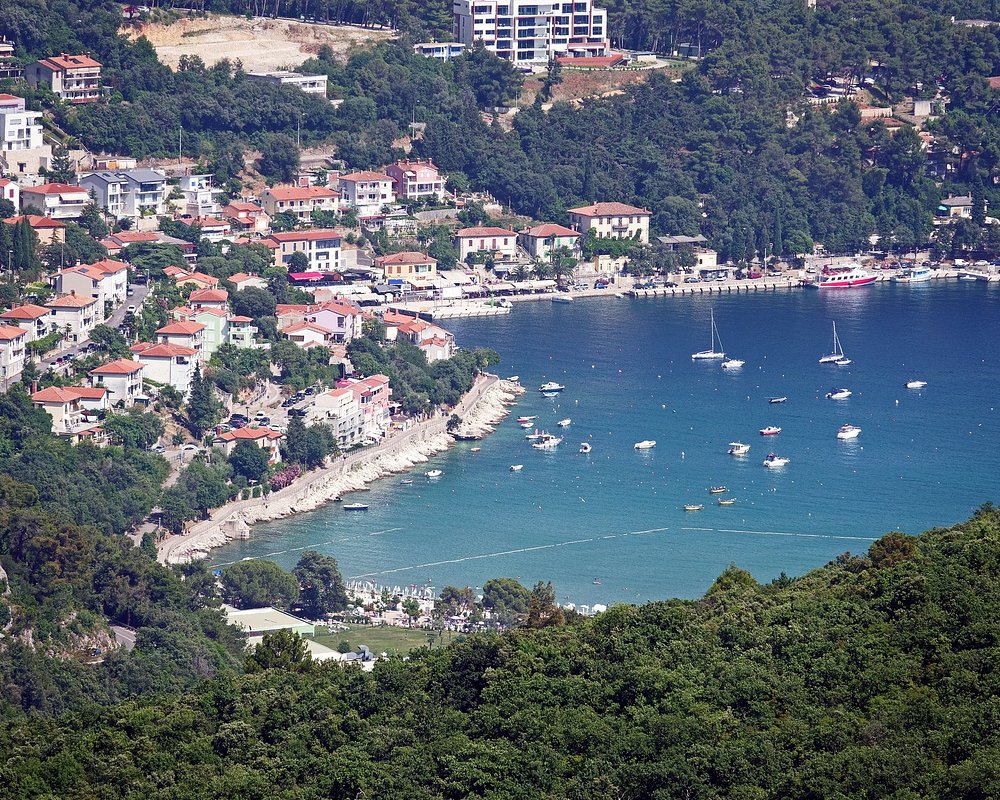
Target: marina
{"type": "Point", "coordinates": [619, 513]}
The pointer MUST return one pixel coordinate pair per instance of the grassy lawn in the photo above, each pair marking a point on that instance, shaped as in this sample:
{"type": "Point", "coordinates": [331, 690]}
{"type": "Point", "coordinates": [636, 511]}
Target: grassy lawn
{"type": "Point", "coordinates": [392, 640]}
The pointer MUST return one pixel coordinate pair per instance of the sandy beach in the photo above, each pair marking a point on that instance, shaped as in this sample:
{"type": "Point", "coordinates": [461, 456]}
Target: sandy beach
{"type": "Point", "coordinates": [486, 404]}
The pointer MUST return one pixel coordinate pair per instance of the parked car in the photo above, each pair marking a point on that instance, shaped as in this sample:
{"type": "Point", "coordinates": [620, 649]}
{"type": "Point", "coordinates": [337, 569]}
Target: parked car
{"type": "Point", "coordinates": [130, 310]}
{"type": "Point", "coordinates": [692, 279]}
{"type": "Point", "coordinates": [296, 412]}
{"type": "Point", "coordinates": [264, 421]}
{"type": "Point", "coordinates": [157, 448]}
{"type": "Point", "coordinates": [756, 274]}
{"type": "Point", "coordinates": [670, 285]}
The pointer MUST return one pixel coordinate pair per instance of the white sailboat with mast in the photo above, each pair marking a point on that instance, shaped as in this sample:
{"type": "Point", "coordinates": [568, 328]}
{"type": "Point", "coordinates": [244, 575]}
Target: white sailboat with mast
{"type": "Point", "coordinates": [711, 352]}
{"type": "Point", "coordinates": [837, 355]}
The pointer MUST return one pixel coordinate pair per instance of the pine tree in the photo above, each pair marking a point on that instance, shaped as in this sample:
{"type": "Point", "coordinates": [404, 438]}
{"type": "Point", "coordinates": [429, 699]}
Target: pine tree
{"type": "Point", "coordinates": [61, 170]}
{"type": "Point", "coordinates": [202, 407]}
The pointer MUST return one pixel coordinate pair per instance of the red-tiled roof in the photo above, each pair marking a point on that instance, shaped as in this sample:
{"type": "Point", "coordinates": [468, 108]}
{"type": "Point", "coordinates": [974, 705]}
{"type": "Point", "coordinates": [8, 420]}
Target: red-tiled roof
{"type": "Point", "coordinates": [28, 311]}
{"type": "Point", "coordinates": [471, 232]}
{"type": "Point", "coordinates": [407, 257]}
{"type": "Point", "coordinates": [301, 192]}
{"type": "Point", "coordinates": [548, 230]}
{"type": "Point", "coordinates": [54, 188]}
{"type": "Point", "coordinates": [35, 221]}
{"type": "Point", "coordinates": [196, 277]}
{"type": "Point", "coordinates": [249, 434]}
{"type": "Point", "coordinates": [608, 210]}
{"type": "Point", "coordinates": [71, 301]}
{"type": "Point", "coordinates": [120, 366]}
{"type": "Point", "coordinates": [239, 318]}
{"type": "Point", "coordinates": [239, 205]}
{"type": "Point", "coordinates": [356, 177]}
{"type": "Point", "coordinates": [181, 328]}
{"type": "Point", "coordinates": [63, 62]}
{"type": "Point", "coordinates": [306, 326]}
{"type": "Point", "coordinates": [10, 332]}
{"type": "Point", "coordinates": [208, 296]}
{"type": "Point", "coordinates": [240, 277]}
{"type": "Point", "coordinates": [148, 350]}
{"type": "Point", "coordinates": [66, 394]}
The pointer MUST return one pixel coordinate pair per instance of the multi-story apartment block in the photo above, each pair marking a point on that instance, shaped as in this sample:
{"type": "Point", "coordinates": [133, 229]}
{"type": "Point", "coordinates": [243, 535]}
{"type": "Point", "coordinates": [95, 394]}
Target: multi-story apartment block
{"type": "Point", "coordinates": [525, 31]}
{"type": "Point", "coordinates": [105, 281]}
{"type": "Point", "coordinates": [133, 194]}
{"type": "Point", "coordinates": [301, 201]}
{"type": "Point", "coordinates": [442, 51]}
{"type": "Point", "coordinates": [22, 149]}
{"type": "Point", "coordinates": [247, 218]}
{"type": "Point", "coordinates": [309, 84]}
{"type": "Point", "coordinates": [413, 180]}
{"type": "Point", "coordinates": [12, 341]}
{"type": "Point", "coordinates": [400, 266]}
{"type": "Point", "coordinates": [56, 200]}
{"type": "Point", "coordinates": [172, 364]}
{"type": "Point", "coordinates": [366, 192]}
{"type": "Point", "coordinates": [75, 79]}
{"type": "Point", "coordinates": [612, 221]}
{"type": "Point", "coordinates": [321, 247]}
{"type": "Point", "coordinates": [201, 197]}
{"type": "Point", "coordinates": [75, 316]}
{"type": "Point", "coordinates": [501, 241]}
{"type": "Point", "coordinates": [122, 378]}
{"type": "Point", "coordinates": [33, 319]}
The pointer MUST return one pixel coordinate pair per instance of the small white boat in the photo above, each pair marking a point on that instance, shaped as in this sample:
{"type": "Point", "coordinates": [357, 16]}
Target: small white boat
{"type": "Point", "coordinates": [848, 432]}
{"type": "Point", "coordinates": [619, 295]}
{"type": "Point", "coordinates": [645, 444]}
{"type": "Point", "coordinates": [770, 430]}
{"type": "Point", "coordinates": [547, 442]}
{"type": "Point", "coordinates": [585, 447]}
{"type": "Point", "coordinates": [522, 420]}
{"type": "Point", "coordinates": [838, 394]}
{"type": "Point", "coordinates": [726, 501]}
{"type": "Point", "coordinates": [711, 353]}
{"type": "Point", "coordinates": [776, 400]}
{"type": "Point", "coordinates": [916, 384]}
{"type": "Point", "coordinates": [513, 378]}
{"type": "Point", "coordinates": [550, 394]}
{"type": "Point", "coordinates": [914, 275]}
{"type": "Point", "coordinates": [693, 507]}
{"type": "Point", "coordinates": [965, 276]}
{"type": "Point", "coordinates": [526, 424]}
{"type": "Point", "coordinates": [355, 507]}
{"type": "Point", "coordinates": [773, 461]}
{"type": "Point", "coordinates": [564, 423]}
{"type": "Point", "coordinates": [406, 481]}
{"type": "Point", "coordinates": [738, 449]}
{"type": "Point", "coordinates": [732, 363]}
{"type": "Point", "coordinates": [516, 467]}
{"type": "Point", "coordinates": [562, 298]}
{"type": "Point", "coordinates": [838, 351]}
{"type": "Point", "coordinates": [551, 386]}
{"type": "Point", "coordinates": [842, 362]}
{"type": "Point", "coordinates": [433, 473]}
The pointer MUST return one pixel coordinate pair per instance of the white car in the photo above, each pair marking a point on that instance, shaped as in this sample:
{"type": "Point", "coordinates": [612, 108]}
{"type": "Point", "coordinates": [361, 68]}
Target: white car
{"type": "Point", "coordinates": [130, 310]}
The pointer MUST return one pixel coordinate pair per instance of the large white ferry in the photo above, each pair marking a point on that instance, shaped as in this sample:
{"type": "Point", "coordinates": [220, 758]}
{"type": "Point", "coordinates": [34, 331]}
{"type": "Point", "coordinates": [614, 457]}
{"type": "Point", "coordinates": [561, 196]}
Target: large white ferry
{"type": "Point", "coordinates": [843, 278]}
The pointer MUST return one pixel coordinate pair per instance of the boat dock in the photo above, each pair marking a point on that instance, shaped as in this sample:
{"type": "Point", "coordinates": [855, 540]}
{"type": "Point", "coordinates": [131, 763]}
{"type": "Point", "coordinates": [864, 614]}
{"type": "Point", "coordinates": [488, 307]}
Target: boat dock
{"type": "Point", "coordinates": [722, 287]}
{"type": "Point", "coordinates": [433, 311]}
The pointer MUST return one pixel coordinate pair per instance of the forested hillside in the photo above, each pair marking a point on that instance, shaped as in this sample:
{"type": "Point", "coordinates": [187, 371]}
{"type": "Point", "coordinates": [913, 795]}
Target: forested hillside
{"type": "Point", "coordinates": [873, 677]}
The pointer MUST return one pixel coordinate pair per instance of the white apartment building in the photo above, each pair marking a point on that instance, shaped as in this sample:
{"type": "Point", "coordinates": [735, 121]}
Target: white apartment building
{"type": "Point", "coordinates": [612, 221]}
{"type": "Point", "coordinates": [442, 51]}
{"type": "Point", "coordinates": [525, 31]}
{"type": "Point", "coordinates": [122, 378]}
{"type": "Point", "coordinates": [34, 320]}
{"type": "Point", "coordinates": [366, 192]}
{"type": "Point", "coordinates": [74, 316]}
{"type": "Point", "coordinates": [309, 84]}
{"type": "Point", "coordinates": [341, 410]}
{"type": "Point", "coordinates": [321, 247]}
{"type": "Point", "coordinates": [75, 79]}
{"type": "Point", "coordinates": [12, 340]}
{"type": "Point", "coordinates": [201, 197]}
{"type": "Point", "coordinates": [500, 241]}
{"type": "Point", "coordinates": [170, 364]}
{"type": "Point", "coordinates": [106, 281]}
{"type": "Point", "coordinates": [133, 194]}
{"type": "Point", "coordinates": [22, 149]}
{"type": "Point", "coordinates": [56, 200]}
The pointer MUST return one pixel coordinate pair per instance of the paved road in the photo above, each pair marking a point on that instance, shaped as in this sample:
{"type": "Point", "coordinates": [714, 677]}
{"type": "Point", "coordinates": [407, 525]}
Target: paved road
{"type": "Point", "coordinates": [124, 636]}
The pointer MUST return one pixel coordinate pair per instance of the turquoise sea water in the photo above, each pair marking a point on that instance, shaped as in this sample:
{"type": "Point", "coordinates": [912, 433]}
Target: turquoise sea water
{"type": "Point", "coordinates": [924, 458]}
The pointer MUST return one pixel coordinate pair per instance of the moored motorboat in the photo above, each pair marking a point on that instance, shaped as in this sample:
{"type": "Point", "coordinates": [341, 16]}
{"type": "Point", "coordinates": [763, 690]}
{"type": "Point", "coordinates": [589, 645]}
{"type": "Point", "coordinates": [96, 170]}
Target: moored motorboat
{"type": "Point", "coordinates": [916, 384]}
{"type": "Point", "coordinates": [585, 447]}
{"type": "Point", "coordinates": [526, 424]}
{"type": "Point", "coordinates": [531, 437]}
{"type": "Point", "coordinates": [551, 386]}
{"type": "Point", "coordinates": [693, 507]}
{"type": "Point", "coordinates": [848, 432]}
{"type": "Point", "coordinates": [645, 444]}
{"type": "Point", "coordinates": [770, 430]}
{"type": "Point", "coordinates": [564, 423]}
{"type": "Point", "coordinates": [738, 449]}
{"type": "Point", "coordinates": [355, 506]}
{"type": "Point", "coordinates": [717, 490]}
{"type": "Point", "coordinates": [433, 473]}
{"type": "Point", "coordinates": [516, 467]}
{"type": "Point", "coordinates": [562, 298]}
{"type": "Point", "coordinates": [475, 450]}
{"type": "Point", "coordinates": [843, 278]}
{"type": "Point", "coordinates": [514, 378]}
{"type": "Point", "coordinates": [522, 420]}
{"type": "Point", "coordinates": [914, 275]}
{"type": "Point", "coordinates": [773, 461]}
{"type": "Point", "coordinates": [726, 501]}
{"type": "Point", "coordinates": [547, 441]}
{"type": "Point", "coordinates": [732, 363]}
{"type": "Point", "coordinates": [838, 394]}
{"type": "Point", "coordinates": [843, 362]}
{"type": "Point", "coordinates": [406, 481]}
{"type": "Point", "coordinates": [775, 400]}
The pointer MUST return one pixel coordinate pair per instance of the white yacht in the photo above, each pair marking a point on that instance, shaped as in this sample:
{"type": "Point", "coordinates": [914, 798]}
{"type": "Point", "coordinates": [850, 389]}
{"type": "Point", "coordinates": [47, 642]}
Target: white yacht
{"type": "Point", "coordinates": [645, 444]}
{"type": "Point", "coordinates": [702, 355]}
{"type": "Point", "coordinates": [774, 461]}
{"type": "Point", "coordinates": [838, 394]}
{"type": "Point", "coordinates": [914, 275]}
{"type": "Point", "coordinates": [738, 449]}
{"type": "Point", "coordinates": [516, 467]}
{"type": "Point", "coordinates": [848, 432]}
{"type": "Point", "coordinates": [547, 441]}
{"type": "Point", "coordinates": [433, 473]}
{"type": "Point", "coordinates": [732, 363]}
{"type": "Point", "coordinates": [564, 423]}
{"type": "Point", "coordinates": [916, 384]}
{"type": "Point", "coordinates": [551, 387]}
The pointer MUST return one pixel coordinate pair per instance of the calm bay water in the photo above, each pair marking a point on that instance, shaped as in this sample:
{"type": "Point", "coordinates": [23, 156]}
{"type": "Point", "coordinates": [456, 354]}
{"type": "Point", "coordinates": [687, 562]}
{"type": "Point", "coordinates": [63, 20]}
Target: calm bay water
{"type": "Point", "coordinates": [924, 458]}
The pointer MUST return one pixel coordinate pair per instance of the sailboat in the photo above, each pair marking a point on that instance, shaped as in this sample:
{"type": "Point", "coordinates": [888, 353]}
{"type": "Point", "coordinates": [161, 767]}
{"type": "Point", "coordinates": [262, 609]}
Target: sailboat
{"type": "Point", "coordinates": [711, 352]}
{"type": "Point", "coordinates": [837, 356]}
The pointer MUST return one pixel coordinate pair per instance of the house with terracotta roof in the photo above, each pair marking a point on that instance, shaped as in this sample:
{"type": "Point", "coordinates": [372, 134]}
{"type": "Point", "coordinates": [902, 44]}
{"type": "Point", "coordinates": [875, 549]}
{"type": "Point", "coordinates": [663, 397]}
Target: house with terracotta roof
{"type": "Point", "coordinates": [122, 378]}
{"type": "Point", "coordinates": [308, 334]}
{"type": "Point", "coordinates": [498, 241]}
{"type": "Point", "coordinates": [73, 409]}
{"type": "Point", "coordinates": [34, 320]}
{"type": "Point", "coordinates": [436, 343]}
{"type": "Point", "coordinates": [215, 320]}
{"type": "Point", "coordinates": [48, 231]}
{"type": "Point", "coordinates": [400, 266]}
{"type": "Point", "coordinates": [300, 201]}
{"type": "Point", "coordinates": [74, 79]}
{"type": "Point", "coordinates": [9, 190]}
{"type": "Point", "coordinates": [374, 396]}
{"type": "Point", "coordinates": [612, 221]}
{"type": "Point", "coordinates": [75, 316]}
{"type": "Point", "coordinates": [247, 218]}
{"type": "Point", "coordinates": [209, 298]}
{"type": "Point", "coordinates": [213, 228]}
{"type": "Point", "coordinates": [186, 333]}
{"type": "Point", "coordinates": [541, 240]}
{"type": "Point", "coordinates": [320, 245]}
{"type": "Point", "coordinates": [366, 192]}
{"type": "Point", "coordinates": [241, 332]}
{"type": "Point", "coordinates": [266, 439]}
{"type": "Point", "coordinates": [106, 281]}
{"type": "Point", "coordinates": [341, 410]}
{"type": "Point", "coordinates": [416, 179]}
{"type": "Point", "coordinates": [12, 341]}
{"type": "Point", "coordinates": [55, 200]}
{"type": "Point", "coordinates": [197, 280]}
{"type": "Point", "coordinates": [170, 364]}
{"type": "Point", "coordinates": [242, 280]}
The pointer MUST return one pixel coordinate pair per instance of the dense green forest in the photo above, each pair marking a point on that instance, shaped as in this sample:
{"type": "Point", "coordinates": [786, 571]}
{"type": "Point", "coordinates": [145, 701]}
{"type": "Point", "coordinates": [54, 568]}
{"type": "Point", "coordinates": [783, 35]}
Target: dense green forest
{"type": "Point", "coordinates": [873, 677]}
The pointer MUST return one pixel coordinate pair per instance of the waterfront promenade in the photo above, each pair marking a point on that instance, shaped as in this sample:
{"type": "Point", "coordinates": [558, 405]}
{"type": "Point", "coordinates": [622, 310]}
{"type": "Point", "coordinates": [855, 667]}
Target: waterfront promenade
{"type": "Point", "coordinates": [396, 452]}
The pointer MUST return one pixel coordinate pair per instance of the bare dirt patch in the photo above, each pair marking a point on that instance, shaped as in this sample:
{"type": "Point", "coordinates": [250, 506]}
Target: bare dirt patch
{"type": "Point", "coordinates": [580, 85]}
{"type": "Point", "coordinates": [260, 43]}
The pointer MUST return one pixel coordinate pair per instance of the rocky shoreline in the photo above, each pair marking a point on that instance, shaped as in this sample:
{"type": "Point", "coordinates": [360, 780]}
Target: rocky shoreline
{"type": "Point", "coordinates": [396, 455]}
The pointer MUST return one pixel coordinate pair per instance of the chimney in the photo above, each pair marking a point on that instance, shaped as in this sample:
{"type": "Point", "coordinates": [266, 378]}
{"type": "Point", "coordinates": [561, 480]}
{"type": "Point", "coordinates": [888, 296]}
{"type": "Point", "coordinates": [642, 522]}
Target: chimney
{"type": "Point", "coordinates": [34, 387]}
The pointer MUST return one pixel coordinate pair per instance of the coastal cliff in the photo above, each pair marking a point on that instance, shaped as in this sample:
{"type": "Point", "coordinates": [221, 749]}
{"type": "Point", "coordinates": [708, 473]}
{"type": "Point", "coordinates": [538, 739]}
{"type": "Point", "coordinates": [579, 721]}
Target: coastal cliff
{"type": "Point", "coordinates": [480, 409]}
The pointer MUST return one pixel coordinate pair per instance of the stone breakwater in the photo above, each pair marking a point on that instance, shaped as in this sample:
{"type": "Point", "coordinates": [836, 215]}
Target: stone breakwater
{"type": "Point", "coordinates": [484, 406]}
